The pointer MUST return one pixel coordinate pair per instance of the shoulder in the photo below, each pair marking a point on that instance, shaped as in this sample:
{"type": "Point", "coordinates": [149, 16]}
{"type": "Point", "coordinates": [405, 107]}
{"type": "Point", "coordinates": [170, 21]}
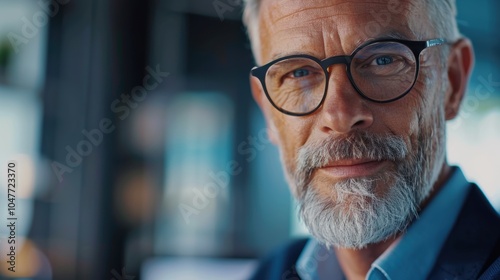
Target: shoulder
{"type": "Point", "coordinates": [280, 264]}
{"type": "Point", "coordinates": [473, 246]}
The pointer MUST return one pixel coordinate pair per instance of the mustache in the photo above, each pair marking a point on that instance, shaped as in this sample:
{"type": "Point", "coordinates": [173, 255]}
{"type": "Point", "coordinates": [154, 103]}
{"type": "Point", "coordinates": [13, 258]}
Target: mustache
{"type": "Point", "coordinates": [358, 145]}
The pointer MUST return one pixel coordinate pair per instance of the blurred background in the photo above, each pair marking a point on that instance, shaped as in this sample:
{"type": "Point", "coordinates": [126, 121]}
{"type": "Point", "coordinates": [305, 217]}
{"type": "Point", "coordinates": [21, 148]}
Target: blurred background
{"type": "Point", "coordinates": [140, 153]}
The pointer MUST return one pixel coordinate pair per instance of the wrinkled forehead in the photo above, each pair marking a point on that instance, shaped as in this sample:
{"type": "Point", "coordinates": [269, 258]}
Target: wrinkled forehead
{"type": "Point", "coordinates": [280, 9]}
{"type": "Point", "coordinates": [315, 26]}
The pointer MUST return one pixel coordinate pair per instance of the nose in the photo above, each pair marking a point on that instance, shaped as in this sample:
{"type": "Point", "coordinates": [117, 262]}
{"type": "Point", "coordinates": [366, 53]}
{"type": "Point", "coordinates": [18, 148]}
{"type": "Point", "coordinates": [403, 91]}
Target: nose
{"type": "Point", "coordinates": [343, 110]}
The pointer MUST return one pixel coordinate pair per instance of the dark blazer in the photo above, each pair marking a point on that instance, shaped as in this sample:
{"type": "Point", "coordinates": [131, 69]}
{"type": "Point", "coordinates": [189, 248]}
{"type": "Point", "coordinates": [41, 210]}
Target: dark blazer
{"type": "Point", "coordinates": [471, 251]}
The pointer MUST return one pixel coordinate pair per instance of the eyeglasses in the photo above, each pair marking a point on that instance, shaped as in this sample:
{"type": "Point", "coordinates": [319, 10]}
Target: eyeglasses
{"type": "Point", "coordinates": [381, 71]}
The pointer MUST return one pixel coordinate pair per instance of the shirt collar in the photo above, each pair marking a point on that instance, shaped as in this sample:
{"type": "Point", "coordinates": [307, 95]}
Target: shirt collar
{"type": "Point", "coordinates": [316, 262]}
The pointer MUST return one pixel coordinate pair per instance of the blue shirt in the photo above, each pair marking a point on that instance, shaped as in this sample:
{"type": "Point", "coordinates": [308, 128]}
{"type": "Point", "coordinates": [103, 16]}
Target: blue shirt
{"type": "Point", "coordinates": [413, 256]}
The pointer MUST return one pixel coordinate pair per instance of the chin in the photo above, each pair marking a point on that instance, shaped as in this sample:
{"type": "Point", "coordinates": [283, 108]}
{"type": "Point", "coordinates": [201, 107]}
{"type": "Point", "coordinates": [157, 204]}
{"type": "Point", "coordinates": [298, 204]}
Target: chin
{"type": "Point", "coordinates": [353, 213]}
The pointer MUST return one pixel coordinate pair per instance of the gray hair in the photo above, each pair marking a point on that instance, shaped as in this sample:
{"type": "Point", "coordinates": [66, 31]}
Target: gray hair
{"type": "Point", "coordinates": [442, 13]}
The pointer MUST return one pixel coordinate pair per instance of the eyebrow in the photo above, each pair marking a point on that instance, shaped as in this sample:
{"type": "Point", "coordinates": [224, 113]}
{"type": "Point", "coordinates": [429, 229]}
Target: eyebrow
{"type": "Point", "coordinates": [393, 34]}
{"type": "Point", "coordinates": [283, 54]}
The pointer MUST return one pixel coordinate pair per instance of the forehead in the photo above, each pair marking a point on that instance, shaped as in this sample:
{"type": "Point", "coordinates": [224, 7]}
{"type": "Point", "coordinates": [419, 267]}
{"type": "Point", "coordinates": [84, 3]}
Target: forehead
{"type": "Point", "coordinates": [281, 9]}
{"type": "Point", "coordinates": [331, 27]}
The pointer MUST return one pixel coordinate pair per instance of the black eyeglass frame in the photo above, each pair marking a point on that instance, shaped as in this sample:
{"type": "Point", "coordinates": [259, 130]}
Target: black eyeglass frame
{"type": "Point", "coordinates": [415, 46]}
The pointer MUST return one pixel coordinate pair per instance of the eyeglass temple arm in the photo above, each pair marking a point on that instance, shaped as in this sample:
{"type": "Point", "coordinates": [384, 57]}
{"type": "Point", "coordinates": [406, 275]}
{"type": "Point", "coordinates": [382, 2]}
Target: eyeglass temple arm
{"type": "Point", "coordinates": [436, 42]}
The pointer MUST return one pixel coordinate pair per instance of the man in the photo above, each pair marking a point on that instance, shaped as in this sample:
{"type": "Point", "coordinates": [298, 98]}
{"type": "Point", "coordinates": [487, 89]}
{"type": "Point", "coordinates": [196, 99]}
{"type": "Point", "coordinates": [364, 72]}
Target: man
{"type": "Point", "coordinates": [356, 95]}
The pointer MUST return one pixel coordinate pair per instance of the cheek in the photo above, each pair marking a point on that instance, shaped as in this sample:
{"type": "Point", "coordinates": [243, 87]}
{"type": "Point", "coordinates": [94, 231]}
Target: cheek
{"type": "Point", "coordinates": [403, 116]}
{"type": "Point", "coordinates": [292, 133]}
{"type": "Point", "coordinates": [431, 84]}
{"type": "Point", "coordinates": [420, 107]}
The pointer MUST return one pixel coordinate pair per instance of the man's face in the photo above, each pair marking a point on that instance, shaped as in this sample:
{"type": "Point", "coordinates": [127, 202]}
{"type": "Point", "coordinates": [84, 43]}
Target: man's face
{"type": "Point", "coordinates": [359, 169]}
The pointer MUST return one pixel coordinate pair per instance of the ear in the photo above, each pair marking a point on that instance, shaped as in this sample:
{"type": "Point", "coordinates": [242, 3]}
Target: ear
{"type": "Point", "coordinates": [260, 97]}
{"type": "Point", "coordinates": [460, 63]}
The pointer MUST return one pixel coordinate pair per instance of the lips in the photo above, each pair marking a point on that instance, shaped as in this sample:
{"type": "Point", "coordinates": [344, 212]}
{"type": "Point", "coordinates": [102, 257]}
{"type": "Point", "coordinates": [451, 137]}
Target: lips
{"type": "Point", "coordinates": [352, 168]}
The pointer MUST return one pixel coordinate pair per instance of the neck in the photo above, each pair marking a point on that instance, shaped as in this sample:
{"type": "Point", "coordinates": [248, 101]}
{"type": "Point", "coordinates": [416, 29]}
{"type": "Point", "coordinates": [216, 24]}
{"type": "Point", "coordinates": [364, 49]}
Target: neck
{"type": "Point", "coordinates": [356, 263]}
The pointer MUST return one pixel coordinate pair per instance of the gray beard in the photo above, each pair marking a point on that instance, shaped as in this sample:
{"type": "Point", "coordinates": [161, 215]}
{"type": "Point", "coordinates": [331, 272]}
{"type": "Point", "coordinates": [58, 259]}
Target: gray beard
{"type": "Point", "coordinates": [353, 215]}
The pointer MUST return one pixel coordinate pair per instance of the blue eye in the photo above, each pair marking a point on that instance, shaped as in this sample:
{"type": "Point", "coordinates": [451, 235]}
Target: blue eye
{"type": "Point", "coordinates": [300, 73]}
{"type": "Point", "coordinates": [384, 60]}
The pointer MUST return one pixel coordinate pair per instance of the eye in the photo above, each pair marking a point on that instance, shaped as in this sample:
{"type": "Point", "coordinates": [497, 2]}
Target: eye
{"type": "Point", "coordinates": [300, 73]}
{"type": "Point", "coordinates": [384, 60]}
